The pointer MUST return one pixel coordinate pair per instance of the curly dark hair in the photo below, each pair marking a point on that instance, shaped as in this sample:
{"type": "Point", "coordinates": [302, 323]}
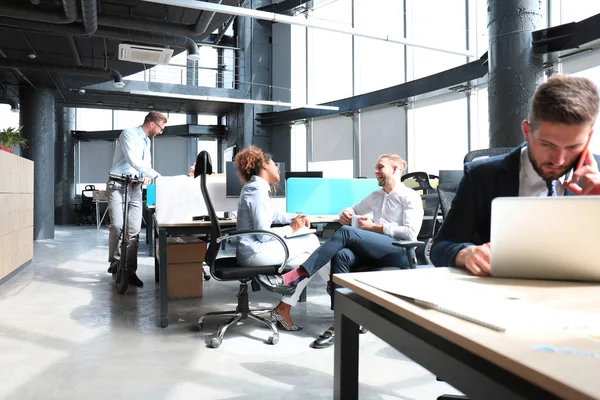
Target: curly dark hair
{"type": "Point", "coordinates": [250, 162]}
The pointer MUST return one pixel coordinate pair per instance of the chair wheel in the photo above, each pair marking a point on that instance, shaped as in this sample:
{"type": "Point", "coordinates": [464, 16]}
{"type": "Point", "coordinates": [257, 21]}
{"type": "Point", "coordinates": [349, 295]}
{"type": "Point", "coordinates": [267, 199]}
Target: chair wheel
{"type": "Point", "coordinates": [273, 340]}
{"type": "Point", "coordinates": [207, 277]}
{"type": "Point", "coordinates": [215, 343]}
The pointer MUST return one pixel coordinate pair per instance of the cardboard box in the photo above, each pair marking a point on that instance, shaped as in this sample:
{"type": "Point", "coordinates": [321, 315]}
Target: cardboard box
{"type": "Point", "coordinates": [185, 257]}
{"type": "Point", "coordinates": [185, 249]}
{"type": "Point", "coordinates": [184, 280]}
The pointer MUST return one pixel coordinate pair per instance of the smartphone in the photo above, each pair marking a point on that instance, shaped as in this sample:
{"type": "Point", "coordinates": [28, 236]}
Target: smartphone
{"type": "Point", "coordinates": [584, 153]}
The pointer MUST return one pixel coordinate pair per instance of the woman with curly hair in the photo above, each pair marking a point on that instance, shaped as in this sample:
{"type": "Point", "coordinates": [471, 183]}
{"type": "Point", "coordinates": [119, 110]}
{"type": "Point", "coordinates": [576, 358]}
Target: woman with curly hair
{"type": "Point", "coordinates": [255, 211]}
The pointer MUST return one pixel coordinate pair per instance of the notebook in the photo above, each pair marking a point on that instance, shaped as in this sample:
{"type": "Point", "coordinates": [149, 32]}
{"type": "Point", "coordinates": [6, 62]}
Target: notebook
{"type": "Point", "coordinates": [301, 232]}
{"type": "Point", "coordinates": [546, 238]}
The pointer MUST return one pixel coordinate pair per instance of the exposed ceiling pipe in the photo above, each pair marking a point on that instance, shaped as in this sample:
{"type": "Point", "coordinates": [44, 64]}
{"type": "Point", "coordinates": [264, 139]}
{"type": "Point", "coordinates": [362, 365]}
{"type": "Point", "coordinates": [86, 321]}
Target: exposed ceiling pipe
{"type": "Point", "coordinates": [67, 16]}
{"type": "Point", "coordinates": [156, 38]}
{"type": "Point", "coordinates": [284, 19]}
{"type": "Point", "coordinates": [89, 16]}
{"type": "Point", "coordinates": [154, 25]}
{"type": "Point", "coordinates": [14, 104]}
{"type": "Point", "coordinates": [87, 71]}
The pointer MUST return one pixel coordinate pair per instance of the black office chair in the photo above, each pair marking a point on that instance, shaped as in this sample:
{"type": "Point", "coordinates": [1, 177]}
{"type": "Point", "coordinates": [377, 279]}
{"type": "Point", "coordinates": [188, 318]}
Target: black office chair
{"type": "Point", "coordinates": [422, 180]}
{"type": "Point", "coordinates": [86, 210]}
{"type": "Point", "coordinates": [446, 194]}
{"type": "Point", "coordinates": [227, 268]}
{"type": "Point", "coordinates": [485, 153]}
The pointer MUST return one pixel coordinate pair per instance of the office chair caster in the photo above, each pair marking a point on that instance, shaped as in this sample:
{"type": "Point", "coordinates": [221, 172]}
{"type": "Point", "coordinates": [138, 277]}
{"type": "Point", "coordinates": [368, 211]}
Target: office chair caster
{"type": "Point", "coordinates": [215, 343]}
{"type": "Point", "coordinates": [273, 340]}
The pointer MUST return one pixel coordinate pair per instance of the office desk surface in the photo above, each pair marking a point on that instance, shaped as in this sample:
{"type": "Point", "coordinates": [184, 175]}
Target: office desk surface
{"type": "Point", "coordinates": [556, 357]}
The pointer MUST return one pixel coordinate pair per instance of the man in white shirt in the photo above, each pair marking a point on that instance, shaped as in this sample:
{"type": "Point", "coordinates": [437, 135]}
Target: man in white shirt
{"type": "Point", "coordinates": [549, 163]}
{"type": "Point", "coordinates": [397, 215]}
{"type": "Point", "coordinates": [132, 157]}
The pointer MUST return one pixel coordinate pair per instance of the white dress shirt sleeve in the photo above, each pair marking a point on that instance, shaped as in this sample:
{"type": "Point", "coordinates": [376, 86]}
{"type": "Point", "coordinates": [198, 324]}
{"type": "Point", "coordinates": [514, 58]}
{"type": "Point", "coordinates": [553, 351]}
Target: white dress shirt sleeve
{"type": "Point", "coordinates": [133, 155]}
{"type": "Point", "coordinates": [411, 219]}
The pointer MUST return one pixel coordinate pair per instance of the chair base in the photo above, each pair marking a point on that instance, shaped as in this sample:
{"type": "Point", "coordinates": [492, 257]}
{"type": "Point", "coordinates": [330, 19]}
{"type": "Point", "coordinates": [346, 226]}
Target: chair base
{"type": "Point", "coordinates": [242, 312]}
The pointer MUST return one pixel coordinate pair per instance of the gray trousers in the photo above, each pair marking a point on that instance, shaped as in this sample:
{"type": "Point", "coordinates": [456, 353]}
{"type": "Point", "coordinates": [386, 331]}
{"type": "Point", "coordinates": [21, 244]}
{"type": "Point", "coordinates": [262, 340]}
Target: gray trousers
{"type": "Point", "coordinates": [116, 202]}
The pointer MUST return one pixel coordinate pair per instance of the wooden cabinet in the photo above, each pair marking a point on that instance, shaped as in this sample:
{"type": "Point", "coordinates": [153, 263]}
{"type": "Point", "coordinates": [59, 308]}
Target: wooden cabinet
{"type": "Point", "coordinates": [16, 212]}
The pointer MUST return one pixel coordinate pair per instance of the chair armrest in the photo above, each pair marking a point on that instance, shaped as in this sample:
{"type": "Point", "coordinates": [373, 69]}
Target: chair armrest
{"type": "Point", "coordinates": [233, 233]}
{"type": "Point", "coordinates": [408, 243]}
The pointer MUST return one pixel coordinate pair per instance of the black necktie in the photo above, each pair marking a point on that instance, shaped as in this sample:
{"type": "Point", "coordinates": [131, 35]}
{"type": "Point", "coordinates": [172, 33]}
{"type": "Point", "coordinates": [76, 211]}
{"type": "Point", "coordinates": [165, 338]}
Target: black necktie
{"type": "Point", "coordinates": [551, 185]}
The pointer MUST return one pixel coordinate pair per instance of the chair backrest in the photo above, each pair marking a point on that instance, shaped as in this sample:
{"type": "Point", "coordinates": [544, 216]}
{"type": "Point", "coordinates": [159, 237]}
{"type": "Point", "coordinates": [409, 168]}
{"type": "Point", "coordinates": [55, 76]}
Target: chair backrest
{"type": "Point", "coordinates": [422, 181]}
{"type": "Point", "coordinates": [485, 153]}
{"type": "Point", "coordinates": [203, 169]}
{"type": "Point", "coordinates": [446, 194]}
{"type": "Point", "coordinates": [431, 206]}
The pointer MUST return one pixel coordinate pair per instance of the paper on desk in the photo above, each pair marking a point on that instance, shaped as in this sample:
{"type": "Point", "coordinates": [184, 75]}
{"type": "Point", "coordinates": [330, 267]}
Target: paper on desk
{"type": "Point", "coordinates": [301, 232]}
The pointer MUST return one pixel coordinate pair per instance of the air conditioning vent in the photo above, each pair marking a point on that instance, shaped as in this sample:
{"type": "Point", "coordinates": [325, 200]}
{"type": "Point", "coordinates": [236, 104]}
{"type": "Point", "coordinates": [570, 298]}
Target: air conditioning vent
{"type": "Point", "coordinates": [144, 54]}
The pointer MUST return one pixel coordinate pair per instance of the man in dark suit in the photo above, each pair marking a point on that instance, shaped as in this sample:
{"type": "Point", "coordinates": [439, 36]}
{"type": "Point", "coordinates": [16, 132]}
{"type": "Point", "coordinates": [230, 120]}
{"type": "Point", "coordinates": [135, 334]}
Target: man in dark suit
{"type": "Point", "coordinates": [561, 118]}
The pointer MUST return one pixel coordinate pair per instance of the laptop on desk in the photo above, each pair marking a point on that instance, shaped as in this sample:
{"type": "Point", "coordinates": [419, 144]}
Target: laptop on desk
{"type": "Point", "coordinates": [546, 238]}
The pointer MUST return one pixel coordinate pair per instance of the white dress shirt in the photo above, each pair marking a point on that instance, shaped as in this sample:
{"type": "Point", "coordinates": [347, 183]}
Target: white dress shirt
{"type": "Point", "coordinates": [256, 211]}
{"type": "Point", "coordinates": [132, 154]}
{"type": "Point", "coordinates": [530, 183]}
{"type": "Point", "coordinates": [400, 211]}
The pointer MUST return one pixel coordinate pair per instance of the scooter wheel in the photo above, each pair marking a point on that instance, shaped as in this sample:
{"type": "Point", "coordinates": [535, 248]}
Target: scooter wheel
{"type": "Point", "coordinates": [122, 281]}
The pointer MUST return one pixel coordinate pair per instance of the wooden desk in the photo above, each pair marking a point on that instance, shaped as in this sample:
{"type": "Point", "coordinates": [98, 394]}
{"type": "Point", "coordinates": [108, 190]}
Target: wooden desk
{"type": "Point", "coordinates": [480, 362]}
{"type": "Point", "coordinates": [161, 231]}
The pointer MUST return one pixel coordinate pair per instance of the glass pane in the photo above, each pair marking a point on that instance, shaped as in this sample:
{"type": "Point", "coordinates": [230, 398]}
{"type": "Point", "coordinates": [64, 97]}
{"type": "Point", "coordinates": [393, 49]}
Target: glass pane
{"type": "Point", "coordinates": [438, 136]}
{"type": "Point", "coordinates": [8, 118]}
{"type": "Point", "coordinates": [378, 64]}
{"type": "Point", "coordinates": [129, 119]}
{"type": "Point", "coordinates": [330, 55]}
{"type": "Point", "coordinates": [576, 10]}
{"type": "Point", "coordinates": [594, 75]}
{"type": "Point", "coordinates": [445, 28]}
{"type": "Point", "coordinates": [92, 119]}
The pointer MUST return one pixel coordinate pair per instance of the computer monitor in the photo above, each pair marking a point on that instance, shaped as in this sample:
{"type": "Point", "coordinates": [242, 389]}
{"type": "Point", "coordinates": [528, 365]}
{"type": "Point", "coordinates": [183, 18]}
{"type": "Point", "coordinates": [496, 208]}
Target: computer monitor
{"type": "Point", "coordinates": [304, 174]}
{"type": "Point", "coordinates": [233, 185]}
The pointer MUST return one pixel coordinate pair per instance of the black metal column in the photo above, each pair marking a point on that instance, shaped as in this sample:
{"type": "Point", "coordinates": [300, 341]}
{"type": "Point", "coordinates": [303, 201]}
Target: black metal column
{"type": "Point", "coordinates": [514, 72]}
{"type": "Point", "coordinates": [255, 67]}
{"type": "Point", "coordinates": [37, 119]}
{"type": "Point", "coordinates": [64, 170]}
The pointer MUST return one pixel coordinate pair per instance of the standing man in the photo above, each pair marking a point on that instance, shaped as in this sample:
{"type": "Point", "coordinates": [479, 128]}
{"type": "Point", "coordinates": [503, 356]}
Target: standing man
{"type": "Point", "coordinates": [132, 157]}
{"type": "Point", "coordinates": [397, 215]}
{"type": "Point", "coordinates": [561, 118]}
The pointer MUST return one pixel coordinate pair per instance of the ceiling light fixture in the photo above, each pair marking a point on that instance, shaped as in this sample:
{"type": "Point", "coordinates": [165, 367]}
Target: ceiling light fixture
{"type": "Point", "coordinates": [232, 100]}
{"type": "Point", "coordinates": [33, 56]}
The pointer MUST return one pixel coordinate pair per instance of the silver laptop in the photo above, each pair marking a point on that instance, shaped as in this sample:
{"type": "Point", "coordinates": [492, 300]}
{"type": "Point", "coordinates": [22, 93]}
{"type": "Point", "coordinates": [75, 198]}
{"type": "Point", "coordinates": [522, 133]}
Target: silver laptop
{"type": "Point", "coordinates": [546, 238]}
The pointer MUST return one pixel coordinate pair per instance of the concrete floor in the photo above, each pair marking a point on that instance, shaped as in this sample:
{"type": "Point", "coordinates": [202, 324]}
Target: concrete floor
{"type": "Point", "coordinates": [66, 334]}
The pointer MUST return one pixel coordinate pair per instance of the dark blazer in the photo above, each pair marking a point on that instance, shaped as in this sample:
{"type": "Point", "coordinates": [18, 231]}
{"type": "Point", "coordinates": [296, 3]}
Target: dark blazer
{"type": "Point", "coordinates": [469, 219]}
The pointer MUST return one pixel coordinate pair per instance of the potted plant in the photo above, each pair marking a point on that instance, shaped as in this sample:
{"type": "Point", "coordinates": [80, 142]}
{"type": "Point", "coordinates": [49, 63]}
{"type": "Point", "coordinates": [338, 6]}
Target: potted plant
{"type": "Point", "coordinates": [10, 138]}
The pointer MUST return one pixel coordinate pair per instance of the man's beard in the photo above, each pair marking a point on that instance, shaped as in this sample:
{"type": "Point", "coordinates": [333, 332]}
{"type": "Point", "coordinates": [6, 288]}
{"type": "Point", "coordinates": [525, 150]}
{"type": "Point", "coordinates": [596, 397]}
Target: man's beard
{"type": "Point", "coordinates": [382, 182]}
{"type": "Point", "coordinates": [554, 175]}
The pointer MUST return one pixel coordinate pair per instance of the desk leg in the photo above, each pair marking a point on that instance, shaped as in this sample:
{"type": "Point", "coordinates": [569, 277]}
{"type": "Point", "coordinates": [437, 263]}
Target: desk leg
{"type": "Point", "coordinates": [150, 233]}
{"type": "Point", "coordinates": [97, 216]}
{"type": "Point", "coordinates": [162, 253]}
{"type": "Point", "coordinates": [345, 370]}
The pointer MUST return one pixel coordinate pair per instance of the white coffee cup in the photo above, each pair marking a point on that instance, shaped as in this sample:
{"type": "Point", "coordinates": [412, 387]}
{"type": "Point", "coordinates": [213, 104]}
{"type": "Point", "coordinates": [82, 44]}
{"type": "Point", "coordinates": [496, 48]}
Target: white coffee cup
{"type": "Point", "coordinates": [355, 219]}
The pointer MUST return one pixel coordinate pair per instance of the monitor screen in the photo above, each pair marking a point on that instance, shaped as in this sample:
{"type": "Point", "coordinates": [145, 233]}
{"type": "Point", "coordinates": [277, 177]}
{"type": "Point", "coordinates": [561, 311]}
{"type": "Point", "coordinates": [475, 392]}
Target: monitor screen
{"type": "Point", "coordinates": [304, 174]}
{"type": "Point", "coordinates": [233, 185]}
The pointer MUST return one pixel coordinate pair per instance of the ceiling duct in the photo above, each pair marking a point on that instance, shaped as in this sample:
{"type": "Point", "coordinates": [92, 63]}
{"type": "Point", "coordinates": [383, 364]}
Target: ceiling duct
{"type": "Point", "coordinates": [66, 16]}
{"type": "Point", "coordinates": [144, 54]}
{"type": "Point", "coordinates": [69, 69]}
{"type": "Point", "coordinates": [157, 38]}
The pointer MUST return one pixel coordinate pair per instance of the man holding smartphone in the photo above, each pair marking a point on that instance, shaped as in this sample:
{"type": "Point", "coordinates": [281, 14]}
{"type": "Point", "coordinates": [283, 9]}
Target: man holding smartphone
{"type": "Point", "coordinates": [132, 157]}
{"type": "Point", "coordinates": [549, 163]}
